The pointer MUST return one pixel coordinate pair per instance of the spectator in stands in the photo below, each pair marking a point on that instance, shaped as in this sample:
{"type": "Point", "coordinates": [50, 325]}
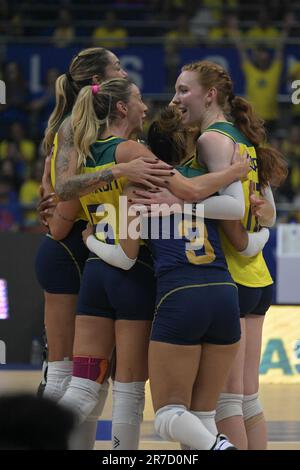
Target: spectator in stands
{"type": "Point", "coordinates": [201, 22]}
{"type": "Point", "coordinates": [16, 26]}
{"type": "Point", "coordinates": [32, 423]}
{"type": "Point", "coordinates": [10, 211]}
{"type": "Point", "coordinates": [227, 29]}
{"type": "Point", "coordinates": [4, 17]}
{"type": "Point", "coordinates": [42, 104]}
{"type": "Point", "coordinates": [110, 35]}
{"type": "Point", "coordinates": [291, 20]}
{"type": "Point", "coordinates": [291, 144]}
{"type": "Point", "coordinates": [170, 9]}
{"type": "Point", "coordinates": [262, 76]}
{"type": "Point", "coordinates": [291, 149]}
{"type": "Point", "coordinates": [217, 6]}
{"type": "Point", "coordinates": [16, 95]}
{"type": "Point", "coordinates": [64, 33]}
{"type": "Point", "coordinates": [180, 36]}
{"type": "Point", "coordinates": [26, 147]}
{"type": "Point", "coordinates": [263, 33]}
{"type": "Point", "coordinates": [11, 169]}
{"type": "Point", "coordinates": [29, 194]}
{"type": "Point", "coordinates": [293, 74]}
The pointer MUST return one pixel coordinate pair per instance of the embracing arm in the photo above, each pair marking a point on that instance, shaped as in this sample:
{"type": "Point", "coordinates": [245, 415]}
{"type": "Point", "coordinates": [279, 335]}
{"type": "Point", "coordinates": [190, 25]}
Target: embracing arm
{"type": "Point", "coordinates": [263, 207]}
{"type": "Point", "coordinates": [220, 176]}
{"type": "Point", "coordinates": [70, 185]}
{"type": "Point", "coordinates": [246, 243]}
{"type": "Point", "coordinates": [63, 218]}
{"type": "Point", "coordinates": [124, 254]}
{"type": "Point", "coordinates": [62, 215]}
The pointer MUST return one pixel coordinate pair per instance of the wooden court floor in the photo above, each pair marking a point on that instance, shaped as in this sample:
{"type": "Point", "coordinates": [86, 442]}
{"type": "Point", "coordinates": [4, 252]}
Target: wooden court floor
{"type": "Point", "coordinates": [280, 402]}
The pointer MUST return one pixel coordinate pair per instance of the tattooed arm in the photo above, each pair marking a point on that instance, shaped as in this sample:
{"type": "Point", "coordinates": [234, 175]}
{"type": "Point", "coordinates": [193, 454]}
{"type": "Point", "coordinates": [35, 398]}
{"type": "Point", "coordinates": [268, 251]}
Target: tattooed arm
{"type": "Point", "coordinates": [70, 185]}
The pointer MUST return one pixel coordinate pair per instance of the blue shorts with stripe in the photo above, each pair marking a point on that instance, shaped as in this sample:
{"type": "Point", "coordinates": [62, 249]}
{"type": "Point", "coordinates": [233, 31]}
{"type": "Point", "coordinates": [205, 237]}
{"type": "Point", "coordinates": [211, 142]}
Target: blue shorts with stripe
{"type": "Point", "coordinates": [113, 293]}
{"type": "Point", "coordinates": [59, 264]}
{"type": "Point", "coordinates": [196, 305]}
{"type": "Point", "coordinates": [255, 300]}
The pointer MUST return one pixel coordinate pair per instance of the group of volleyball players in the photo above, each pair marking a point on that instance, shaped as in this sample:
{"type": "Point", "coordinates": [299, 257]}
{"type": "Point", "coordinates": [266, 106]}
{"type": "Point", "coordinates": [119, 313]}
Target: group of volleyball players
{"type": "Point", "coordinates": [102, 295]}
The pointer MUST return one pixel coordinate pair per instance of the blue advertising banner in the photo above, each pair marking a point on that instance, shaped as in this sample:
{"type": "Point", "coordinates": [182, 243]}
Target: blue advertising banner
{"type": "Point", "coordinates": [145, 64]}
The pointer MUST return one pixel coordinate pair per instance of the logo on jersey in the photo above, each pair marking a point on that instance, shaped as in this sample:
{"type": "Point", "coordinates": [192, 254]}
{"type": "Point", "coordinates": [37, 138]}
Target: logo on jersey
{"type": "Point", "coordinates": [253, 164]}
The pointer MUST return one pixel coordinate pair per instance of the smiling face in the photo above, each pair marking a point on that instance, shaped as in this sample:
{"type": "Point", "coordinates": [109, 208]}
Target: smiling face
{"type": "Point", "coordinates": [190, 97]}
{"type": "Point", "coordinates": [136, 109]}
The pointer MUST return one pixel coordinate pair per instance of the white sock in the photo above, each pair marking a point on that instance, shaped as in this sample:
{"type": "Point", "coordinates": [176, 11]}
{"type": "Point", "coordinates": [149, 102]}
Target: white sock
{"type": "Point", "coordinates": [81, 397]}
{"type": "Point", "coordinates": [84, 436]}
{"type": "Point", "coordinates": [58, 378]}
{"type": "Point", "coordinates": [174, 422]}
{"type": "Point", "coordinates": [207, 418]}
{"type": "Point", "coordinates": [128, 407]}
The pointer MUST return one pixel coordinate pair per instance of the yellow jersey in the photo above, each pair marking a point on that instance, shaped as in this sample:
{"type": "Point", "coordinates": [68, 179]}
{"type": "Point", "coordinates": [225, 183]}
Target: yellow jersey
{"type": "Point", "coordinates": [262, 88]}
{"type": "Point", "coordinates": [102, 205]}
{"type": "Point", "coordinates": [247, 271]}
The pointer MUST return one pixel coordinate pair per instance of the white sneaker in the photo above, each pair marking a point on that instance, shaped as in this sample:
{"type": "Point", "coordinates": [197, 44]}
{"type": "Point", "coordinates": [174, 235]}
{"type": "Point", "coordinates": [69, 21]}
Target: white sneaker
{"type": "Point", "coordinates": [222, 443]}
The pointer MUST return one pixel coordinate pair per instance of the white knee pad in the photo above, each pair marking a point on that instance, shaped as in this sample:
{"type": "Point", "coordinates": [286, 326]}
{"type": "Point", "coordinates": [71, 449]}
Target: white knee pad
{"type": "Point", "coordinates": [229, 404]}
{"type": "Point", "coordinates": [163, 420]}
{"type": "Point", "coordinates": [97, 411]}
{"type": "Point", "coordinates": [128, 402]}
{"type": "Point", "coordinates": [81, 397]}
{"type": "Point", "coordinates": [58, 378]}
{"type": "Point", "coordinates": [251, 406]}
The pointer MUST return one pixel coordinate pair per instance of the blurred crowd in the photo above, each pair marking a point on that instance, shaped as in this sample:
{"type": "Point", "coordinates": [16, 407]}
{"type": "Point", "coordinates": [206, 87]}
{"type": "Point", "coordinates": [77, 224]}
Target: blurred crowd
{"type": "Point", "coordinates": [259, 31]}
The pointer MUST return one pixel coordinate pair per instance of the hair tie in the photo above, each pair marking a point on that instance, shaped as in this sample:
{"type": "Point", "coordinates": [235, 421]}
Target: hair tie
{"type": "Point", "coordinates": [95, 89]}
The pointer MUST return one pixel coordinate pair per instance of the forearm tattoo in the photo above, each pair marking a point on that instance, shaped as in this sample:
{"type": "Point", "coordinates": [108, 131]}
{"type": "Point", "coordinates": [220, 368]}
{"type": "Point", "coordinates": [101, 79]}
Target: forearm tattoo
{"type": "Point", "coordinates": [70, 187]}
{"type": "Point", "coordinates": [84, 184]}
{"type": "Point", "coordinates": [63, 151]}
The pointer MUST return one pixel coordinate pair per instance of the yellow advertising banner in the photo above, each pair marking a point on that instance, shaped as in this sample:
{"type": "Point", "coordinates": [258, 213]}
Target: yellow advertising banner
{"type": "Point", "coordinates": [280, 359]}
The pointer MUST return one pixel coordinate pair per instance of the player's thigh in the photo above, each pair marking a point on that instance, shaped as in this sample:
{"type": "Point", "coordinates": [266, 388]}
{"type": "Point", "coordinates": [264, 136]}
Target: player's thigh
{"type": "Point", "coordinates": [172, 371]}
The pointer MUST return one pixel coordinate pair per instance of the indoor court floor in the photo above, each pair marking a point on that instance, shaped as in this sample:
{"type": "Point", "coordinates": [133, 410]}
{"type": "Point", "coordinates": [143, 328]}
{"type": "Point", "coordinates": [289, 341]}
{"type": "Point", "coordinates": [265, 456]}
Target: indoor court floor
{"type": "Point", "coordinates": [280, 402]}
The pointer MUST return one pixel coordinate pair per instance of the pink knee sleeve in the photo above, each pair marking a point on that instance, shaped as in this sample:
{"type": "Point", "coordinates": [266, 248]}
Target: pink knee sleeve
{"type": "Point", "coordinates": [91, 368]}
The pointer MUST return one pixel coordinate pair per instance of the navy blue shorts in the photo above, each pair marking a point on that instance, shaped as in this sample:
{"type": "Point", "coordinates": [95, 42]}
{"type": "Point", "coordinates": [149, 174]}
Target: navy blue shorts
{"type": "Point", "coordinates": [254, 300]}
{"type": "Point", "coordinates": [196, 306]}
{"type": "Point", "coordinates": [111, 292]}
{"type": "Point", "coordinates": [59, 264]}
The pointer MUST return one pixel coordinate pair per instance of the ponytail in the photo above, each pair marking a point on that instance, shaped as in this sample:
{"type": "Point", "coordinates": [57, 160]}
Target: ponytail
{"type": "Point", "coordinates": [247, 121]}
{"type": "Point", "coordinates": [83, 67]}
{"type": "Point", "coordinates": [64, 97]}
{"type": "Point", "coordinates": [95, 109]}
{"type": "Point", "coordinates": [85, 124]}
{"type": "Point", "coordinates": [272, 167]}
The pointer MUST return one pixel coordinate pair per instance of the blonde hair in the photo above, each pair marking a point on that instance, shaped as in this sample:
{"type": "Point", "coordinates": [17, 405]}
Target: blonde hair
{"type": "Point", "coordinates": [84, 65]}
{"type": "Point", "coordinates": [93, 113]}
{"type": "Point", "coordinates": [272, 166]}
